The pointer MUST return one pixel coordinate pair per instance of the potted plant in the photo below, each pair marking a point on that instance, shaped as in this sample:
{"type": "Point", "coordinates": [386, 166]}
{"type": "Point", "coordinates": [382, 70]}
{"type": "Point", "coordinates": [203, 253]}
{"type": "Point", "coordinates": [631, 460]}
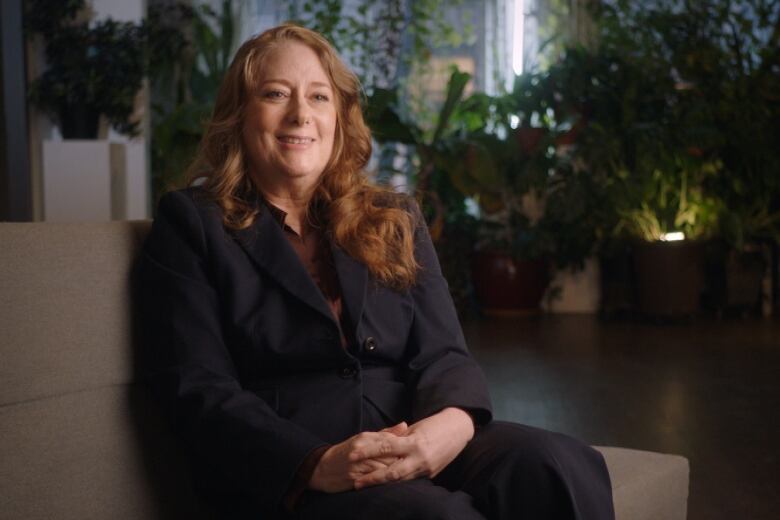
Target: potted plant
{"type": "Point", "coordinates": [452, 228]}
{"type": "Point", "coordinates": [686, 128]}
{"type": "Point", "coordinates": [669, 229]}
{"type": "Point", "coordinates": [503, 165]}
{"type": "Point", "coordinates": [734, 79]}
{"type": "Point", "coordinates": [511, 266]}
{"type": "Point", "coordinates": [92, 69]}
{"type": "Point", "coordinates": [649, 188]}
{"type": "Point", "coordinates": [485, 173]}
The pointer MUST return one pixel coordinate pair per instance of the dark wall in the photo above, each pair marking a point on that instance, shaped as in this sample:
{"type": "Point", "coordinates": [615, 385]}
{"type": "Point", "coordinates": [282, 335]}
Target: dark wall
{"type": "Point", "coordinates": [15, 184]}
{"type": "Point", "coordinates": [3, 174]}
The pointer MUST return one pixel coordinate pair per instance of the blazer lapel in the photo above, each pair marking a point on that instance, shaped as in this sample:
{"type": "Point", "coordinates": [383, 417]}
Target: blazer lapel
{"type": "Point", "coordinates": [266, 244]}
{"type": "Point", "coordinates": [353, 277]}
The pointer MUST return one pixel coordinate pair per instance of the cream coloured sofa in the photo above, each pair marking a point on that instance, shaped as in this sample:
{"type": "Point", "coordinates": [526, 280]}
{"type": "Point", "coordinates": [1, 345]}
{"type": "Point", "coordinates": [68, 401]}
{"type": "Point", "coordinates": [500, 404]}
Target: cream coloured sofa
{"type": "Point", "coordinates": [79, 439]}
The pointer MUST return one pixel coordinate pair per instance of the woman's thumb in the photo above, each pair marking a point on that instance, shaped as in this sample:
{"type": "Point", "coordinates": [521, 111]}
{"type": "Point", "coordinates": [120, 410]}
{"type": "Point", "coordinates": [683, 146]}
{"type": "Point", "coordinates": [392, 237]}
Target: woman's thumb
{"type": "Point", "coordinates": [398, 429]}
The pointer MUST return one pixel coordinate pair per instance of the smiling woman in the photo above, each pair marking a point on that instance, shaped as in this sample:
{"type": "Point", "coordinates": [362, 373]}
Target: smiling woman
{"type": "Point", "coordinates": [285, 83]}
{"type": "Point", "coordinates": [289, 126]}
{"type": "Point", "coordinates": [303, 338]}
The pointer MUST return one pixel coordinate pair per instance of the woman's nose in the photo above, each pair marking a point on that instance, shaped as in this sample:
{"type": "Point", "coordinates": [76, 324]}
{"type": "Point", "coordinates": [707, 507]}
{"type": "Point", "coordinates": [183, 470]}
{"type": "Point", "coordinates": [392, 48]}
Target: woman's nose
{"type": "Point", "coordinates": [300, 112]}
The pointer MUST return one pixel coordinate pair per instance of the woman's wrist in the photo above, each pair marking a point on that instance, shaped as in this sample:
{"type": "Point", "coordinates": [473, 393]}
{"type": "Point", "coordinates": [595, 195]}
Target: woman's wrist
{"type": "Point", "coordinates": [463, 419]}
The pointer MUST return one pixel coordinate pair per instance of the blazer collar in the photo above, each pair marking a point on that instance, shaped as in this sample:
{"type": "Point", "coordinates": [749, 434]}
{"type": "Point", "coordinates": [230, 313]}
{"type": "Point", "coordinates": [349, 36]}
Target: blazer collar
{"type": "Point", "coordinates": [265, 243]}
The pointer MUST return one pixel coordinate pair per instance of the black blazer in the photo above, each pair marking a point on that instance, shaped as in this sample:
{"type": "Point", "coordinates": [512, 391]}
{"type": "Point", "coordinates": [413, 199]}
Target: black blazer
{"type": "Point", "coordinates": [245, 353]}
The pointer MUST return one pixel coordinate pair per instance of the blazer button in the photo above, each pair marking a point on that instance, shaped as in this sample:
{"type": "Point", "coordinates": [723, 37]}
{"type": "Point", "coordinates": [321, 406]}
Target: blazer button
{"type": "Point", "coordinates": [370, 344]}
{"type": "Point", "coordinates": [347, 372]}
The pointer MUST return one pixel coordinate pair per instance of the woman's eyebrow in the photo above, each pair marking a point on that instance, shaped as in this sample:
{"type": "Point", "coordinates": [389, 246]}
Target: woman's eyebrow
{"type": "Point", "coordinates": [281, 81]}
{"type": "Point", "coordinates": [321, 84]}
{"type": "Point", "coordinates": [318, 84]}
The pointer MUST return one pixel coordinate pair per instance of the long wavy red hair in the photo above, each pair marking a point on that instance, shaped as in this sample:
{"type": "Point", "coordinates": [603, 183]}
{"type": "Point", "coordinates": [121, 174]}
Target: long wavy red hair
{"type": "Point", "coordinates": [371, 223]}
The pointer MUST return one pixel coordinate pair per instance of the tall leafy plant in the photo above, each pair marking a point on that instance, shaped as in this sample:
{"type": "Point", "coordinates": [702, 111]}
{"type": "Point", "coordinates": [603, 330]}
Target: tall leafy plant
{"type": "Point", "coordinates": [721, 62]}
{"type": "Point", "coordinates": [452, 228]}
{"type": "Point", "coordinates": [186, 85]}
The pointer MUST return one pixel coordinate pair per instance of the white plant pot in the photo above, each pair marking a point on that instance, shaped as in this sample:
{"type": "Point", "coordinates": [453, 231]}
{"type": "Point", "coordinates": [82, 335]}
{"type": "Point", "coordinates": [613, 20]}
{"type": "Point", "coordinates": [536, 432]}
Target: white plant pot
{"type": "Point", "coordinates": [577, 292]}
{"type": "Point", "coordinates": [84, 181]}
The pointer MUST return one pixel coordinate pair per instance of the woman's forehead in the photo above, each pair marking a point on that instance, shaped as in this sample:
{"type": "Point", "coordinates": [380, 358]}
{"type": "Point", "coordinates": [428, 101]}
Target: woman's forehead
{"type": "Point", "coordinates": [289, 61]}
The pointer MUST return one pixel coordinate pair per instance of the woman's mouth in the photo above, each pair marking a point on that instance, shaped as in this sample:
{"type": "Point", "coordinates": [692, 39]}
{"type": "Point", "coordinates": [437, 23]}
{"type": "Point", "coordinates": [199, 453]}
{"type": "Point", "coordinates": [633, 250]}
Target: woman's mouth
{"type": "Point", "coordinates": [291, 139]}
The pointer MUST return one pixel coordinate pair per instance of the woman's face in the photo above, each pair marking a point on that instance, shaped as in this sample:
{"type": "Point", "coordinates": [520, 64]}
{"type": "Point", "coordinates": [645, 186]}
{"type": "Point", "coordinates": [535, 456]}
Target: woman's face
{"type": "Point", "coordinates": [290, 121]}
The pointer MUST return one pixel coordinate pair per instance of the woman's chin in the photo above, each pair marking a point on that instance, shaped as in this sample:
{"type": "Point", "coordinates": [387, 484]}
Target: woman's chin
{"type": "Point", "coordinates": [298, 173]}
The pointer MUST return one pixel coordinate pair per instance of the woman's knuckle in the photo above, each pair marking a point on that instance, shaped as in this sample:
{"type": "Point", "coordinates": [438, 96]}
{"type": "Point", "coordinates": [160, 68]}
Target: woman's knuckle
{"type": "Point", "coordinates": [355, 454]}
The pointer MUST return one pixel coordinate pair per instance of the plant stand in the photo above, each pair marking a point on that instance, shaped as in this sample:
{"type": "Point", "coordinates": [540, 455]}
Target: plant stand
{"type": "Point", "coordinates": [84, 181]}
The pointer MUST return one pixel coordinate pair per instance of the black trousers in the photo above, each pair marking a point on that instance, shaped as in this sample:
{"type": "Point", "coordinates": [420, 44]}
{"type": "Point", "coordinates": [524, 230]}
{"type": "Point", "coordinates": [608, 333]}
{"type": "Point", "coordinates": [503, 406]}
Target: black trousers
{"type": "Point", "coordinates": [507, 471]}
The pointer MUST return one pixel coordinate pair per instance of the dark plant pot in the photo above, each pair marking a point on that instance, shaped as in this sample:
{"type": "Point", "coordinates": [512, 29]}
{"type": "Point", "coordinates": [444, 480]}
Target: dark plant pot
{"type": "Point", "coordinates": [669, 277]}
{"type": "Point", "coordinates": [506, 285]}
{"type": "Point", "coordinates": [734, 278]}
{"type": "Point", "coordinates": [78, 122]}
{"type": "Point", "coordinates": [618, 284]}
{"type": "Point", "coordinates": [744, 274]}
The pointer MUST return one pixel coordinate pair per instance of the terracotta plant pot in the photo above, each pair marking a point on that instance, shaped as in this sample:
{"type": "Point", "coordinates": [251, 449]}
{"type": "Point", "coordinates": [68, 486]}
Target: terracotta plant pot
{"type": "Point", "coordinates": [530, 138]}
{"type": "Point", "coordinates": [669, 277]}
{"type": "Point", "coordinates": [506, 285]}
{"type": "Point", "coordinates": [569, 137]}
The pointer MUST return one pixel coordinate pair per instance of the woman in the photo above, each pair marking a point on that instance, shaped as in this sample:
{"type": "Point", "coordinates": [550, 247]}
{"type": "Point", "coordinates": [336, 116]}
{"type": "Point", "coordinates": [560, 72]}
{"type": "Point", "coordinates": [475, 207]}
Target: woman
{"type": "Point", "coordinates": [302, 336]}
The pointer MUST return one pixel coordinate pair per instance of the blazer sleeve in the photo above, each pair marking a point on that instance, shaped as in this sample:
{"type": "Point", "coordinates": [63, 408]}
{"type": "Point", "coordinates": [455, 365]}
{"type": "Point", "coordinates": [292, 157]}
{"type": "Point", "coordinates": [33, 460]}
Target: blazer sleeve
{"type": "Point", "coordinates": [442, 370]}
{"type": "Point", "coordinates": [229, 429]}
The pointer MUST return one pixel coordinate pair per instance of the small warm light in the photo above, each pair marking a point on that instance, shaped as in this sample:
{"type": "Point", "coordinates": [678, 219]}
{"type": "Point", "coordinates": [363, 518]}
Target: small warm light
{"type": "Point", "coordinates": [674, 236]}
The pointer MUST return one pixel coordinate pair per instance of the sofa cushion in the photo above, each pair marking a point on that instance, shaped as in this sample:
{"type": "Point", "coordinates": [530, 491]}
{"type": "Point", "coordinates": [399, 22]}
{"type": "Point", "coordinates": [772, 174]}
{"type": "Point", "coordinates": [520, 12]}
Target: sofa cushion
{"type": "Point", "coordinates": [79, 440]}
{"type": "Point", "coordinates": [96, 454]}
{"type": "Point", "coordinates": [65, 311]}
{"type": "Point", "coordinates": [647, 485]}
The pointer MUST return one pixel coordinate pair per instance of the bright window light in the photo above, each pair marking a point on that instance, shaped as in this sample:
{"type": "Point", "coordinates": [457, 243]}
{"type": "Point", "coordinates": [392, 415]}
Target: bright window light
{"type": "Point", "coordinates": [518, 30]}
{"type": "Point", "coordinates": [514, 121]}
{"type": "Point", "coordinates": [674, 236]}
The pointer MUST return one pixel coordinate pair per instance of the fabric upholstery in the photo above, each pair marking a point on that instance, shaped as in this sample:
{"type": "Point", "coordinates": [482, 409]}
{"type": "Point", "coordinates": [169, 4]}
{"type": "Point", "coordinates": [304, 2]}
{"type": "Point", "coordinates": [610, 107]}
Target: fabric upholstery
{"type": "Point", "coordinates": [65, 307]}
{"type": "Point", "coordinates": [80, 440]}
{"type": "Point", "coordinates": [647, 485]}
{"type": "Point", "coordinates": [100, 453]}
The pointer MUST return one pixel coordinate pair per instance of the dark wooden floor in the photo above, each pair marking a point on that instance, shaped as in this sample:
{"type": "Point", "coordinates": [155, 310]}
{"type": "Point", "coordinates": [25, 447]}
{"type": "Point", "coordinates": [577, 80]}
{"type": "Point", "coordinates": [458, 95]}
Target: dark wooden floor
{"type": "Point", "coordinates": [708, 390]}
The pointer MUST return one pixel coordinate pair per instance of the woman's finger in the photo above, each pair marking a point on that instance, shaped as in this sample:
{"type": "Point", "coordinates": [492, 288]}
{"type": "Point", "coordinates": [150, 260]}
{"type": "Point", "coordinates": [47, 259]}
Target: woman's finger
{"type": "Point", "coordinates": [380, 445]}
{"type": "Point", "coordinates": [385, 461]}
{"type": "Point", "coordinates": [398, 429]}
{"type": "Point", "coordinates": [404, 469]}
{"type": "Point", "coordinates": [374, 478]}
{"type": "Point", "coordinates": [367, 466]}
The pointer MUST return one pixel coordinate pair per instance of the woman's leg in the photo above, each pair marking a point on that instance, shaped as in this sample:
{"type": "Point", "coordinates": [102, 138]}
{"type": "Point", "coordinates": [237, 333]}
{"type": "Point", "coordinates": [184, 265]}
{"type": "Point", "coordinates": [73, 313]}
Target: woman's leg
{"type": "Point", "coordinates": [519, 472]}
{"type": "Point", "coordinates": [417, 499]}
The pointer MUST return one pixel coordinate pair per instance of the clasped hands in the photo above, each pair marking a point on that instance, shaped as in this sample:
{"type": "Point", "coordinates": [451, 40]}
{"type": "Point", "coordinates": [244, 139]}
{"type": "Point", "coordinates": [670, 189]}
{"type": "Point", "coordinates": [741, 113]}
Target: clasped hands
{"type": "Point", "coordinates": [400, 452]}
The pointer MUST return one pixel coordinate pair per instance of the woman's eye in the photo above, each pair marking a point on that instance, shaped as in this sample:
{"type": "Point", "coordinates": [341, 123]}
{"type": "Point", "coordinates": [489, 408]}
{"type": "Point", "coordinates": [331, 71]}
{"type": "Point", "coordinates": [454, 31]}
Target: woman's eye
{"type": "Point", "coordinates": [320, 97]}
{"type": "Point", "coordinates": [274, 94]}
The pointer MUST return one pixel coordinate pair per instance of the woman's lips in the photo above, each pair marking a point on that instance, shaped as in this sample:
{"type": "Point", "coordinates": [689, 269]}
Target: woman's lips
{"type": "Point", "coordinates": [295, 140]}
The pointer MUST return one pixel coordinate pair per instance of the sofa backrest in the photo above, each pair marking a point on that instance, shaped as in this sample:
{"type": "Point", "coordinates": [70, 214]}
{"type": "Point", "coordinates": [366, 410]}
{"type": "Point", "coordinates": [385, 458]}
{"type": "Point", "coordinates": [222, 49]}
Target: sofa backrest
{"type": "Point", "coordinates": [78, 437]}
